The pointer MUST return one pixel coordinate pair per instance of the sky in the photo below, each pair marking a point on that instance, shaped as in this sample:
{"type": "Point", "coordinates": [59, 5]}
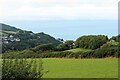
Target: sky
{"type": "Point", "coordinates": [67, 19]}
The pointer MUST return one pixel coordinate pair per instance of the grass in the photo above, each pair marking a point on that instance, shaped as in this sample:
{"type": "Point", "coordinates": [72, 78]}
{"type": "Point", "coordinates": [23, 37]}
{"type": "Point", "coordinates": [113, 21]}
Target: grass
{"type": "Point", "coordinates": [79, 50]}
{"type": "Point", "coordinates": [5, 33]}
{"type": "Point", "coordinates": [11, 32]}
{"type": "Point", "coordinates": [80, 68]}
{"type": "Point", "coordinates": [113, 43]}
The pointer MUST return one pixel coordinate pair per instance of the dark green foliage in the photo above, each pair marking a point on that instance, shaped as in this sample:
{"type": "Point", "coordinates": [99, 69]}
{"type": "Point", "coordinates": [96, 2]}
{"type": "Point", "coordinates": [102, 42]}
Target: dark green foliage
{"type": "Point", "coordinates": [116, 38]}
{"type": "Point", "coordinates": [98, 53]}
{"type": "Point", "coordinates": [39, 38]}
{"type": "Point", "coordinates": [27, 51]}
{"type": "Point", "coordinates": [61, 47]}
{"type": "Point", "coordinates": [106, 51]}
{"type": "Point", "coordinates": [4, 47]}
{"type": "Point", "coordinates": [45, 39]}
{"type": "Point", "coordinates": [48, 50]}
{"type": "Point", "coordinates": [91, 41]}
{"type": "Point", "coordinates": [69, 44]}
{"type": "Point", "coordinates": [21, 69]}
{"type": "Point", "coordinates": [9, 28]}
{"type": "Point", "coordinates": [30, 54]}
{"type": "Point", "coordinates": [65, 46]}
{"type": "Point", "coordinates": [43, 47]}
{"type": "Point", "coordinates": [17, 46]}
{"type": "Point", "coordinates": [29, 41]}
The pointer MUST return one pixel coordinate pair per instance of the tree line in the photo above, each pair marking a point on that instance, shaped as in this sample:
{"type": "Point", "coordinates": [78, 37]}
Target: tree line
{"type": "Point", "coordinates": [100, 46]}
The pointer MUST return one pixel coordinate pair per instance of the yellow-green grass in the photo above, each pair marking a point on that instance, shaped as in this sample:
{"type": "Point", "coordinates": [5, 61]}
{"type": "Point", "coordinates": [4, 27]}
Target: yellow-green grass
{"type": "Point", "coordinates": [12, 32]}
{"type": "Point", "coordinates": [5, 33]}
{"type": "Point", "coordinates": [80, 68]}
{"type": "Point", "coordinates": [79, 50]}
{"type": "Point", "coordinates": [113, 43]}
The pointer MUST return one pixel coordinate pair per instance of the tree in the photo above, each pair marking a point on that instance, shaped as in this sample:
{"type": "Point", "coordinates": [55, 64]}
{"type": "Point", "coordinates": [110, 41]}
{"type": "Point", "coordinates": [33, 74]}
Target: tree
{"type": "Point", "coordinates": [62, 47]}
{"type": "Point", "coordinates": [91, 41]}
{"type": "Point", "coordinates": [116, 38]}
{"type": "Point", "coordinates": [106, 50]}
{"type": "Point", "coordinates": [69, 43]}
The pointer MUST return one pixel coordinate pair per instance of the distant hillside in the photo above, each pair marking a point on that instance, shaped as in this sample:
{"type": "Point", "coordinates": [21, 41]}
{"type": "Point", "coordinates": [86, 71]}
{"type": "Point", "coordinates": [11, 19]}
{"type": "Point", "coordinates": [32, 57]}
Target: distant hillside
{"type": "Point", "coordinates": [17, 39]}
{"type": "Point", "coordinates": [9, 28]}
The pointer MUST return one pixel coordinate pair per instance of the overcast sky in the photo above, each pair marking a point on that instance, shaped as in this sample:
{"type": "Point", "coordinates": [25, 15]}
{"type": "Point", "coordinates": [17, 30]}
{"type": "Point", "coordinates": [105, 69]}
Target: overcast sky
{"type": "Point", "coordinates": [59, 17]}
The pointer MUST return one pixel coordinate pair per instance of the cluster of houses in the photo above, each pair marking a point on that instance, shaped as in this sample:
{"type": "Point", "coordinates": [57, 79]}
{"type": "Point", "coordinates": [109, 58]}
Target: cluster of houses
{"type": "Point", "coordinates": [7, 39]}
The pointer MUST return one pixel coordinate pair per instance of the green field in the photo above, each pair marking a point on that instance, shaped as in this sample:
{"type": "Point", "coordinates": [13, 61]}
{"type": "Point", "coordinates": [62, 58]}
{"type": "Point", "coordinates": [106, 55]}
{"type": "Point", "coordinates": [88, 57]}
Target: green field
{"type": "Point", "coordinates": [80, 68]}
{"type": "Point", "coordinates": [79, 50]}
{"type": "Point", "coordinates": [6, 33]}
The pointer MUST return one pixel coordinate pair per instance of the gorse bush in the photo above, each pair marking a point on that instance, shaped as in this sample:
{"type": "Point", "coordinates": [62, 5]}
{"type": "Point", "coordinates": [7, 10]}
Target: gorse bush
{"type": "Point", "coordinates": [21, 68]}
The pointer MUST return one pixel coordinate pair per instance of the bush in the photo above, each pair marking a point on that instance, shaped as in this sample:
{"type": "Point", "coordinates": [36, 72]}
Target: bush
{"type": "Point", "coordinates": [91, 41]}
{"type": "Point", "coordinates": [106, 51]}
{"type": "Point", "coordinates": [21, 68]}
{"type": "Point", "coordinates": [43, 47]}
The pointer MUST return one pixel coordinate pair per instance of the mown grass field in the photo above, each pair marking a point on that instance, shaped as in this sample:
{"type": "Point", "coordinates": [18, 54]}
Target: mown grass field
{"type": "Point", "coordinates": [80, 68]}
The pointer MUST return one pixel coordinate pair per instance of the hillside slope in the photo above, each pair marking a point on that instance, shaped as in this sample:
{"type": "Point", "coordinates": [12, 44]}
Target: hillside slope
{"type": "Point", "coordinates": [17, 39]}
{"type": "Point", "coordinates": [9, 28]}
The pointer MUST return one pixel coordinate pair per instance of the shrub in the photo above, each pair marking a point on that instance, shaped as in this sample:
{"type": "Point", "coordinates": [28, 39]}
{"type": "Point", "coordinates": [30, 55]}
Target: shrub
{"type": "Point", "coordinates": [21, 68]}
{"type": "Point", "coordinates": [106, 51]}
{"type": "Point", "coordinates": [91, 41]}
{"type": "Point", "coordinates": [43, 47]}
{"type": "Point", "coordinates": [62, 47]}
